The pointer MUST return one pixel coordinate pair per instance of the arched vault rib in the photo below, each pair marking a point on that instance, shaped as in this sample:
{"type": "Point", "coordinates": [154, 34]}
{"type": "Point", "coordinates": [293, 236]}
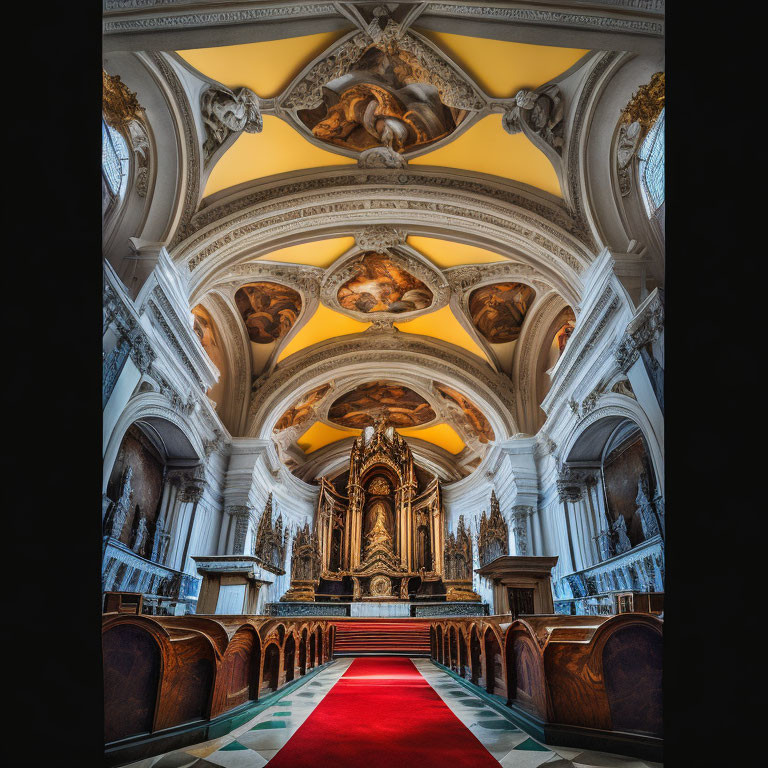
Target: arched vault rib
{"type": "Point", "coordinates": [379, 353]}
{"type": "Point", "coordinates": [511, 219]}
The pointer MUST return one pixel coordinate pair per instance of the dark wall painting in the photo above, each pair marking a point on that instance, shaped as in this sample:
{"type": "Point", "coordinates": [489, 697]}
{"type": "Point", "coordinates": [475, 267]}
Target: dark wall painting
{"type": "Point", "coordinates": [269, 310]}
{"type": "Point", "coordinates": [398, 405]}
{"type": "Point", "coordinates": [301, 410]}
{"type": "Point", "coordinates": [498, 310]}
{"type": "Point", "coordinates": [381, 285]}
{"type": "Point", "coordinates": [476, 420]}
{"type": "Point", "coordinates": [147, 484]}
{"type": "Point", "coordinates": [621, 471]}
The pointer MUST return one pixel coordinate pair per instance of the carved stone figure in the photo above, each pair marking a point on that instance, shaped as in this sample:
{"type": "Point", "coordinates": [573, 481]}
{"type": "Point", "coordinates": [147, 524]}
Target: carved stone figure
{"type": "Point", "coordinates": [140, 536]}
{"type": "Point", "coordinates": [116, 516]}
{"type": "Point", "coordinates": [626, 148]}
{"type": "Point", "coordinates": [541, 111]}
{"type": "Point", "coordinates": [619, 528]}
{"type": "Point", "coordinates": [225, 112]}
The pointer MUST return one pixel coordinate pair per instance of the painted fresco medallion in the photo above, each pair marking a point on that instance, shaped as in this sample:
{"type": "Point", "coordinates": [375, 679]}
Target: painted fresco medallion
{"type": "Point", "coordinates": [498, 310]}
{"type": "Point", "coordinates": [269, 310]}
{"type": "Point", "coordinates": [381, 285]}
{"type": "Point", "coordinates": [398, 405]}
{"type": "Point", "coordinates": [382, 102]}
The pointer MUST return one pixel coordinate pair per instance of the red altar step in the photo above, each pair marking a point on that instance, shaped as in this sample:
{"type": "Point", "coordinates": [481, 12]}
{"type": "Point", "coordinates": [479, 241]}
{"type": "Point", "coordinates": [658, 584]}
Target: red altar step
{"type": "Point", "coordinates": [382, 638]}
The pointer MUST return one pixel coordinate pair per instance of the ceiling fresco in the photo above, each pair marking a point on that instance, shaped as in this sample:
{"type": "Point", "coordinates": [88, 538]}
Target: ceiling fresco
{"type": "Point", "coordinates": [302, 410]}
{"type": "Point", "coordinates": [269, 310]}
{"type": "Point", "coordinates": [498, 310]}
{"type": "Point", "coordinates": [397, 404]}
{"type": "Point", "coordinates": [383, 101]}
{"type": "Point", "coordinates": [381, 285]}
{"type": "Point", "coordinates": [402, 94]}
{"type": "Point", "coordinates": [479, 424]}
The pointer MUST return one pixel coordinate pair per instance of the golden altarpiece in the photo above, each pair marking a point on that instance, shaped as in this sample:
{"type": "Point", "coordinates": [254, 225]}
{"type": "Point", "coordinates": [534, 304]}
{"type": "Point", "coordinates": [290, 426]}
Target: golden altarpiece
{"type": "Point", "coordinates": [385, 539]}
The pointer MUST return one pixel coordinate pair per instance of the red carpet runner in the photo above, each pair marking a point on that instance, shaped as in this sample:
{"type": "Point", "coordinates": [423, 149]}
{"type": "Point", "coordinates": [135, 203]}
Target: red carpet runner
{"type": "Point", "coordinates": [382, 713]}
{"type": "Point", "coordinates": [355, 638]}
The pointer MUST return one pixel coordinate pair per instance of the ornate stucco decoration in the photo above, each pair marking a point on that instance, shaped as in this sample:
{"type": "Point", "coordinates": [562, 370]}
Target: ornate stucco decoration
{"type": "Point", "coordinates": [122, 111]}
{"type": "Point", "coordinates": [646, 105]}
{"type": "Point", "coordinates": [380, 236]}
{"type": "Point", "coordinates": [226, 112]}
{"type": "Point", "coordinates": [395, 271]}
{"type": "Point", "coordinates": [489, 390]}
{"type": "Point", "coordinates": [380, 88]}
{"type": "Point", "coordinates": [570, 484]}
{"type": "Point", "coordinates": [642, 330]}
{"type": "Point", "coordinates": [538, 114]}
{"type": "Point", "coordinates": [119, 104]}
{"type": "Point", "coordinates": [636, 120]}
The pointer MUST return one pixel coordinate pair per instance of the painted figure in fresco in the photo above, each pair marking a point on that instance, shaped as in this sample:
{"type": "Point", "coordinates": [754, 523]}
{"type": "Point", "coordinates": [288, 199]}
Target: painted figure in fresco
{"type": "Point", "coordinates": [474, 417]}
{"type": "Point", "coordinates": [498, 310]}
{"type": "Point", "coordinates": [380, 103]}
{"type": "Point", "coordinates": [268, 310]}
{"type": "Point", "coordinates": [302, 410]}
{"type": "Point", "coordinates": [564, 334]}
{"type": "Point", "coordinates": [398, 405]}
{"type": "Point", "coordinates": [382, 286]}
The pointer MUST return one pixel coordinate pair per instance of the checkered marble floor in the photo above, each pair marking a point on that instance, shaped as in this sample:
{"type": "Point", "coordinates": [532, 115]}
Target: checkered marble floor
{"type": "Point", "coordinates": [254, 744]}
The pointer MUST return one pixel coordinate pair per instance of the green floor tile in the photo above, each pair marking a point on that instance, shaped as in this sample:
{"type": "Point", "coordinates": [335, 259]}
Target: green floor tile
{"type": "Point", "coordinates": [498, 725]}
{"type": "Point", "coordinates": [269, 724]}
{"type": "Point", "coordinates": [532, 746]}
{"type": "Point", "coordinates": [282, 714]}
{"type": "Point", "coordinates": [232, 746]}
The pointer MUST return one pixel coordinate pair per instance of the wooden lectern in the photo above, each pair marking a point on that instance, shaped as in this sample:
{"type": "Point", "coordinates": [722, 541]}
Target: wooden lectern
{"type": "Point", "coordinates": [521, 585]}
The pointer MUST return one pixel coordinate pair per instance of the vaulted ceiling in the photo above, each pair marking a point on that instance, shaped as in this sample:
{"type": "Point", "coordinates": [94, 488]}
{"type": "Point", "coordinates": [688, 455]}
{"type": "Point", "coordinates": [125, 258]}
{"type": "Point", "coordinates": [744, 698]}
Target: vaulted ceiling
{"type": "Point", "coordinates": [362, 316]}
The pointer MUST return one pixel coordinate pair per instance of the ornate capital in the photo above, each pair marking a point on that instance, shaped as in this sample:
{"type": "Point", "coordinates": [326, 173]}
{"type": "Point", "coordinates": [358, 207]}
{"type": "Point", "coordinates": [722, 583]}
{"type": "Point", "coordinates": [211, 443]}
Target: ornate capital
{"type": "Point", "coordinates": [570, 484]}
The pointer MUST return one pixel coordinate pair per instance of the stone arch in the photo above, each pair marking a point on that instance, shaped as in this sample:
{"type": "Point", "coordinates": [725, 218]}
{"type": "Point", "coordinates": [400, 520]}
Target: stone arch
{"type": "Point", "coordinates": [154, 409]}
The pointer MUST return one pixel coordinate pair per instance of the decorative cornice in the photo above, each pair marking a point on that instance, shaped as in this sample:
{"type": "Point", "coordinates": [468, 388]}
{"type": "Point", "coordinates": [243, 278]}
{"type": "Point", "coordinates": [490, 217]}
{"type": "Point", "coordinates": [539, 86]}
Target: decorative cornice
{"type": "Point", "coordinates": [451, 187]}
{"type": "Point", "coordinates": [554, 17]}
{"type": "Point", "coordinates": [373, 347]}
{"type": "Point", "coordinates": [193, 160]}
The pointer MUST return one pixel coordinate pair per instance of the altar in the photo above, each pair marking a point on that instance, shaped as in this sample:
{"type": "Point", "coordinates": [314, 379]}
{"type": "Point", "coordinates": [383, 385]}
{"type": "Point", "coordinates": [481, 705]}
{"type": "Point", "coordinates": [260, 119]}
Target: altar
{"type": "Point", "coordinates": [379, 538]}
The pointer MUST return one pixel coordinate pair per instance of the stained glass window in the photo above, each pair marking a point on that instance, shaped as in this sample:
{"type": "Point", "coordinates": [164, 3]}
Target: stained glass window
{"type": "Point", "coordinates": [114, 158]}
{"type": "Point", "coordinates": [652, 165]}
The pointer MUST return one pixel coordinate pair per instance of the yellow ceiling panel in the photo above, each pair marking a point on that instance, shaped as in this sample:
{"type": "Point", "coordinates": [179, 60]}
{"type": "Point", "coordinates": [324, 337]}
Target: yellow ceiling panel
{"type": "Point", "coordinates": [277, 149]}
{"type": "Point", "coordinates": [266, 68]}
{"type": "Point", "coordinates": [443, 325]}
{"type": "Point", "coordinates": [488, 148]}
{"type": "Point", "coordinates": [319, 253]}
{"type": "Point", "coordinates": [443, 435]}
{"type": "Point", "coordinates": [319, 435]}
{"type": "Point", "coordinates": [446, 253]}
{"type": "Point", "coordinates": [324, 324]}
{"type": "Point", "coordinates": [502, 68]}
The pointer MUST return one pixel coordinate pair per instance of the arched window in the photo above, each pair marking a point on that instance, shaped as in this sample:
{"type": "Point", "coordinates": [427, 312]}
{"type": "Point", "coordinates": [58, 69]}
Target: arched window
{"type": "Point", "coordinates": [651, 167]}
{"type": "Point", "coordinates": [114, 159]}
